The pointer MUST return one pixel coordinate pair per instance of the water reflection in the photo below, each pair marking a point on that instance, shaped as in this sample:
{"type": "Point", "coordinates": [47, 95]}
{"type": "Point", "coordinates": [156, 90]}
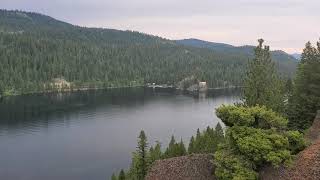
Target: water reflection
{"type": "Point", "coordinates": [22, 111]}
{"type": "Point", "coordinates": [89, 135]}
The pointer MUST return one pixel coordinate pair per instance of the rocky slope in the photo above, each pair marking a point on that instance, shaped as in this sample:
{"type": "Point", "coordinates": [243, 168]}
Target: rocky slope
{"type": "Point", "coordinates": [307, 164]}
{"type": "Point", "coordinates": [192, 167]}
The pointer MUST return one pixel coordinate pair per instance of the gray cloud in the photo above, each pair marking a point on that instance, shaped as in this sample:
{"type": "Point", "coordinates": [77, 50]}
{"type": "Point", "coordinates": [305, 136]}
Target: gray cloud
{"type": "Point", "coordinates": [286, 24]}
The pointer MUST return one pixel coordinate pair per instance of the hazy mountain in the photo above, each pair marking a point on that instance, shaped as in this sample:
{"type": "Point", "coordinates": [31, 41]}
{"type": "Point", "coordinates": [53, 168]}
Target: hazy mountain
{"type": "Point", "coordinates": [296, 55]}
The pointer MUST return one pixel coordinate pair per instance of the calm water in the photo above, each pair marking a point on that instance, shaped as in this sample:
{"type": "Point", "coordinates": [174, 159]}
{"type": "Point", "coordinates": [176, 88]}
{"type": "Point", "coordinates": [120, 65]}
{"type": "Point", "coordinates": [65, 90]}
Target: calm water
{"type": "Point", "coordinates": [89, 135]}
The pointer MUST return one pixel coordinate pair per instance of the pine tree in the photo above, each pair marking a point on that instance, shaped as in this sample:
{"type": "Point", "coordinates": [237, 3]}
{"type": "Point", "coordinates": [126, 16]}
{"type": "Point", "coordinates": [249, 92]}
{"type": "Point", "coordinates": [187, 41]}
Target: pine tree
{"type": "Point", "coordinates": [248, 147]}
{"type": "Point", "coordinates": [155, 153]}
{"type": "Point", "coordinates": [209, 130]}
{"type": "Point", "coordinates": [305, 99]}
{"type": "Point", "coordinates": [171, 149]}
{"type": "Point", "coordinates": [198, 142]}
{"type": "Point", "coordinates": [142, 156]}
{"type": "Point", "coordinates": [133, 171]}
{"type": "Point", "coordinates": [219, 131]}
{"type": "Point", "coordinates": [122, 175]}
{"type": "Point", "coordinates": [198, 134]}
{"type": "Point", "coordinates": [262, 84]}
{"type": "Point", "coordinates": [172, 142]}
{"type": "Point", "coordinates": [182, 149]}
{"type": "Point", "coordinates": [114, 177]}
{"type": "Point", "coordinates": [191, 148]}
{"type": "Point", "coordinates": [288, 86]}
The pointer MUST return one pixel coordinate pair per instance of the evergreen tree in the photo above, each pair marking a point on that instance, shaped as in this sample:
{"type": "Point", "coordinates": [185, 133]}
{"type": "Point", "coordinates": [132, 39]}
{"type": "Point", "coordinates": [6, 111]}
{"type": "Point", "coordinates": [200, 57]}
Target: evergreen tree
{"type": "Point", "coordinates": [253, 142]}
{"type": "Point", "coordinates": [198, 134]}
{"type": "Point", "coordinates": [155, 153]}
{"type": "Point", "coordinates": [114, 177]}
{"type": "Point", "coordinates": [191, 147]}
{"type": "Point", "coordinates": [122, 175]}
{"type": "Point", "coordinates": [142, 156]}
{"type": "Point", "coordinates": [171, 150]}
{"type": "Point", "coordinates": [305, 99]}
{"type": "Point", "coordinates": [207, 141]}
{"type": "Point", "coordinates": [175, 149]}
{"type": "Point", "coordinates": [198, 142]}
{"type": "Point", "coordinates": [182, 149]}
{"type": "Point", "coordinates": [289, 86]}
{"type": "Point", "coordinates": [219, 130]}
{"type": "Point", "coordinates": [133, 171]}
{"type": "Point", "coordinates": [172, 142]}
{"type": "Point", "coordinates": [262, 84]}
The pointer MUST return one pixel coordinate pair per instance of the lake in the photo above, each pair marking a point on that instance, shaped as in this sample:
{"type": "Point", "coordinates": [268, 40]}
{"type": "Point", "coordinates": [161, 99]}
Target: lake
{"type": "Point", "coordinates": [90, 135]}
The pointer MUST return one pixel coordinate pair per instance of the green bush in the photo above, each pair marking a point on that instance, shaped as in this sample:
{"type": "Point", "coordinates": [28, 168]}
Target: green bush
{"type": "Point", "coordinates": [256, 137]}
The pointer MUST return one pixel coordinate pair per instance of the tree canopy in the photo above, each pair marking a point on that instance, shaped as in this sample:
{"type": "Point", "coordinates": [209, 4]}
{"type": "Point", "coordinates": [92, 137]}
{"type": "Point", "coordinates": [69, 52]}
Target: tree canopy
{"type": "Point", "coordinates": [262, 83]}
{"type": "Point", "coordinates": [255, 137]}
{"type": "Point", "coordinates": [305, 99]}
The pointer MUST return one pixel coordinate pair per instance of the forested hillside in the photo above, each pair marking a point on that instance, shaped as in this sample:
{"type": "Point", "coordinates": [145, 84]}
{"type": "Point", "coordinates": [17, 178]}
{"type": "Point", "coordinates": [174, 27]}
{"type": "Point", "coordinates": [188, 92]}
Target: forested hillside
{"type": "Point", "coordinates": [285, 62]}
{"type": "Point", "coordinates": [34, 49]}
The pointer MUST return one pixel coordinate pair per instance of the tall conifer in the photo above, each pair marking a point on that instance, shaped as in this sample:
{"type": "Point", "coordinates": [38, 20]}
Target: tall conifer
{"type": "Point", "coordinates": [305, 99]}
{"type": "Point", "coordinates": [262, 84]}
{"type": "Point", "coordinates": [122, 175]}
{"type": "Point", "coordinates": [142, 156]}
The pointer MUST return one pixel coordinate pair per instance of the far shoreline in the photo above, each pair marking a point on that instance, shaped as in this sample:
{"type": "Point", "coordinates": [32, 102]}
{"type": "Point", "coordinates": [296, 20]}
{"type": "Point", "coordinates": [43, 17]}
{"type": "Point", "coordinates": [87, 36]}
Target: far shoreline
{"type": "Point", "coordinates": [68, 90]}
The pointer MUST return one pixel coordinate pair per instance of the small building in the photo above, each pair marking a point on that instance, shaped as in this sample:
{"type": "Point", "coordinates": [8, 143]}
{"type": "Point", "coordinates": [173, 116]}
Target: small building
{"type": "Point", "coordinates": [60, 83]}
{"type": "Point", "coordinates": [203, 86]}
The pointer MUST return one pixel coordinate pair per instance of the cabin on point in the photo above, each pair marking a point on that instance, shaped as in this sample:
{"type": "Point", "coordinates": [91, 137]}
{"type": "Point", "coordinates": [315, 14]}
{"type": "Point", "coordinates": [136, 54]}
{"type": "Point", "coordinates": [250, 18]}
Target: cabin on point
{"type": "Point", "coordinates": [203, 86]}
{"type": "Point", "coordinates": [60, 83]}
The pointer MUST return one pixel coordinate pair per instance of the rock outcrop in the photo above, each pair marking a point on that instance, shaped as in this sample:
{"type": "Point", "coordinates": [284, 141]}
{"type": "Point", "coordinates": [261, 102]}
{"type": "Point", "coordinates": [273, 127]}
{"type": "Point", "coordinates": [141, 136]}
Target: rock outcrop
{"type": "Point", "coordinates": [191, 167]}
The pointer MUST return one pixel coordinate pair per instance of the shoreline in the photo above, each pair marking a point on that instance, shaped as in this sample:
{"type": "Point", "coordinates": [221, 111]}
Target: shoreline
{"type": "Point", "coordinates": [118, 87]}
{"type": "Point", "coordinates": [67, 90]}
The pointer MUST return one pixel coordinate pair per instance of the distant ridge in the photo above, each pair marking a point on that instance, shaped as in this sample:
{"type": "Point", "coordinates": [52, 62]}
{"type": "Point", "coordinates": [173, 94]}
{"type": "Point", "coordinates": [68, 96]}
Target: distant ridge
{"type": "Point", "coordinates": [203, 44]}
{"type": "Point", "coordinates": [245, 49]}
{"type": "Point", "coordinates": [296, 55]}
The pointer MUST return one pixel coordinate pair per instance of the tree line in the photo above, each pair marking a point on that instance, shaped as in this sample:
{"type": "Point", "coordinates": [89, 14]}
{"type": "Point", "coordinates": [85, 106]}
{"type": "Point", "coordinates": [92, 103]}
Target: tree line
{"type": "Point", "coordinates": [142, 159]}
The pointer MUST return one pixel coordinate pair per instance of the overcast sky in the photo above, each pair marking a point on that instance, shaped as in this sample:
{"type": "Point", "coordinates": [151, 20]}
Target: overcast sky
{"type": "Point", "coordinates": [284, 24]}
